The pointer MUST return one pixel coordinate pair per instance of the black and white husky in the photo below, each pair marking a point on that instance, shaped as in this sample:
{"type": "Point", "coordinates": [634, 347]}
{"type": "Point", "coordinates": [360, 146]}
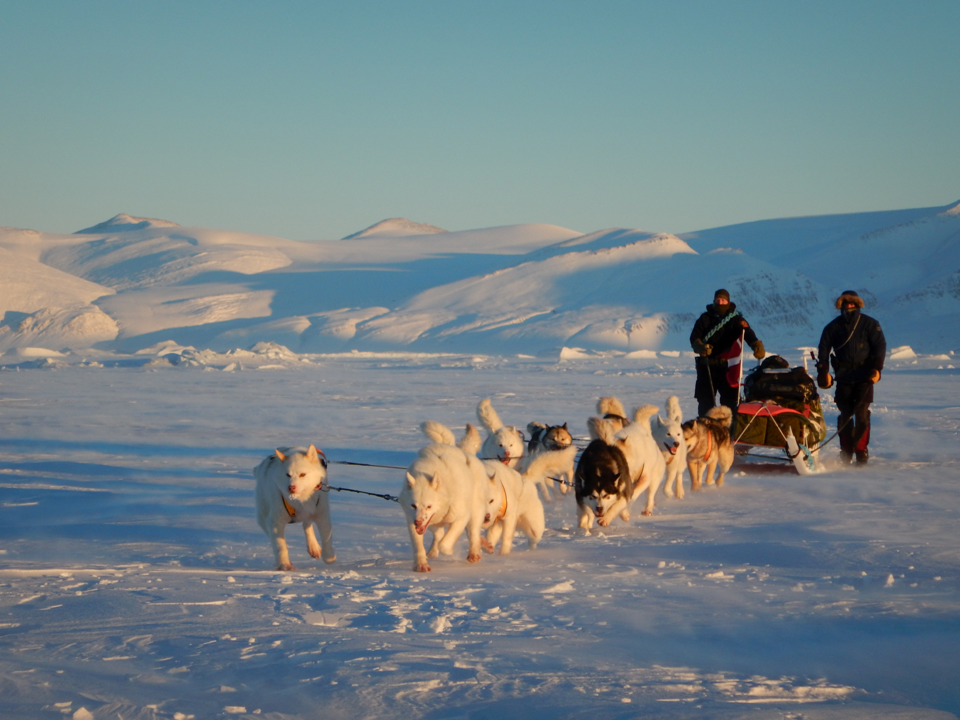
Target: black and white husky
{"type": "Point", "coordinates": [602, 483]}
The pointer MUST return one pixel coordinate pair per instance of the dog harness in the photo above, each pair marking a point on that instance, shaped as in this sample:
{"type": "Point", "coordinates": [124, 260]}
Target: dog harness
{"type": "Point", "coordinates": [709, 443]}
{"type": "Point", "coordinates": [290, 511]}
{"type": "Point", "coordinates": [289, 508]}
{"type": "Point", "coordinates": [503, 505]}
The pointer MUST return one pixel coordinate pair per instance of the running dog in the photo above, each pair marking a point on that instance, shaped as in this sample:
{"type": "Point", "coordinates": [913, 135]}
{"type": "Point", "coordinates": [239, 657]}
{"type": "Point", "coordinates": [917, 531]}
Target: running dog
{"type": "Point", "coordinates": [709, 446]}
{"type": "Point", "coordinates": [601, 483]}
{"type": "Point", "coordinates": [644, 459]}
{"type": "Point", "coordinates": [512, 499]}
{"type": "Point", "coordinates": [669, 436]}
{"type": "Point", "coordinates": [512, 504]}
{"type": "Point", "coordinates": [289, 490]}
{"type": "Point", "coordinates": [503, 442]}
{"type": "Point", "coordinates": [549, 439]}
{"type": "Point", "coordinates": [647, 466]}
{"type": "Point", "coordinates": [444, 492]}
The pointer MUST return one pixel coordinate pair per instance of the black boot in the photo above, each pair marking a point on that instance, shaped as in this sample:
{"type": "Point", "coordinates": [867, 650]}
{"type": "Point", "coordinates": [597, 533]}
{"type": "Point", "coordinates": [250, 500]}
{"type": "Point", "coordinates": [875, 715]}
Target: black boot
{"type": "Point", "coordinates": [845, 457]}
{"type": "Point", "coordinates": [862, 457]}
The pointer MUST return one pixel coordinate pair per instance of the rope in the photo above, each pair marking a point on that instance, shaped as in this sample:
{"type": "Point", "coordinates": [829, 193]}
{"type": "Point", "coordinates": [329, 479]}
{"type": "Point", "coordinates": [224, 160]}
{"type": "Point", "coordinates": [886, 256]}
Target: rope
{"type": "Point", "coordinates": [560, 480]}
{"type": "Point", "coordinates": [359, 464]}
{"type": "Point", "coordinates": [384, 496]}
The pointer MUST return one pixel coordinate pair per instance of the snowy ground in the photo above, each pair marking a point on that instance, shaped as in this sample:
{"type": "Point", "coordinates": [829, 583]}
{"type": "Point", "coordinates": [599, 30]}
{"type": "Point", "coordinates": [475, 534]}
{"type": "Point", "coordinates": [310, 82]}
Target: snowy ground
{"type": "Point", "coordinates": [134, 582]}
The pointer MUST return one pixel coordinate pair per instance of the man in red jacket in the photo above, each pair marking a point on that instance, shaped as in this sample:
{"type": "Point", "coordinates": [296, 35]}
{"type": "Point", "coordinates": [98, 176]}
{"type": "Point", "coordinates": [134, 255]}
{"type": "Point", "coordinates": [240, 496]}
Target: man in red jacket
{"type": "Point", "coordinates": [712, 338]}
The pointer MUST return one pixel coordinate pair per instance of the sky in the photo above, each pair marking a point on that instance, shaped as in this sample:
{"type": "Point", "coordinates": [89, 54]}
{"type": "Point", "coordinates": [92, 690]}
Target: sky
{"type": "Point", "coordinates": [312, 120]}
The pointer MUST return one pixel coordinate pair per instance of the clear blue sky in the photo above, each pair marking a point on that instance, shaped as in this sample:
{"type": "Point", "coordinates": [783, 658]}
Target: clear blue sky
{"type": "Point", "coordinates": [317, 119]}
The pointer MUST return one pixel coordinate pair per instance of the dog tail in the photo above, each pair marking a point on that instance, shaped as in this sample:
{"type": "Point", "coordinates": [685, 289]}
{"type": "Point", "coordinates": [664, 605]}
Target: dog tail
{"type": "Point", "coordinates": [673, 409]}
{"type": "Point", "coordinates": [438, 433]}
{"type": "Point", "coordinates": [610, 406]}
{"type": "Point", "coordinates": [534, 427]}
{"type": "Point", "coordinates": [644, 413]}
{"type": "Point", "coordinates": [552, 462]}
{"type": "Point", "coordinates": [721, 414]}
{"type": "Point", "coordinates": [488, 416]}
{"type": "Point", "coordinates": [470, 442]}
{"type": "Point", "coordinates": [600, 429]}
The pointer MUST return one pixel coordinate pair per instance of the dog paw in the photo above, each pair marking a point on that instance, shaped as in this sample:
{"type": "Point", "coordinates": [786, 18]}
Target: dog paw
{"type": "Point", "coordinates": [421, 567]}
{"type": "Point", "coordinates": [603, 522]}
{"type": "Point", "coordinates": [647, 513]}
{"type": "Point", "coordinates": [487, 545]}
{"type": "Point", "coordinates": [286, 567]}
{"type": "Point", "coordinates": [668, 493]}
{"type": "Point", "coordinates": [625, 516]}
{"type": "Point", "coordinates": [330, 560]}
{"type": "Point", "coordinates": [314, 551]}
{"type": "Point", "coordinates": [473, 557]}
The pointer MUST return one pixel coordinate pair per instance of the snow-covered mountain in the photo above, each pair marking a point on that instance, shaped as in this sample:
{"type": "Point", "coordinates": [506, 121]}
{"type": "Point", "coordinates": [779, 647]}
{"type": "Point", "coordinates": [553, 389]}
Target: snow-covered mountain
{"type": "Point", "coordinates": [396, 227]}
{"type": "Point", "coordinates": [131, 282]}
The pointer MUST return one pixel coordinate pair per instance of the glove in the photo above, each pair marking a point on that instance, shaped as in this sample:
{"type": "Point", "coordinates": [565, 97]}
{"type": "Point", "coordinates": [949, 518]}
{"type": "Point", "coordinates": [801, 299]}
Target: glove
{"type": "Point", "coordinates": [875, 376]}
{"type": "Point", "coordinates": [824, 380]}
{"type": "Point", "coordinates": [707, 349]}
{"type": "Point", "coordinates": [758, 351]}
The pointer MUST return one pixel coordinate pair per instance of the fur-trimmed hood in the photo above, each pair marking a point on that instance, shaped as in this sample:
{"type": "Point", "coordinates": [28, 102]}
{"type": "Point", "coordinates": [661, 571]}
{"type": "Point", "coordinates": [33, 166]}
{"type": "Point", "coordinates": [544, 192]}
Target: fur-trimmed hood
{"type": "Point", "coordinates": [849, 296]}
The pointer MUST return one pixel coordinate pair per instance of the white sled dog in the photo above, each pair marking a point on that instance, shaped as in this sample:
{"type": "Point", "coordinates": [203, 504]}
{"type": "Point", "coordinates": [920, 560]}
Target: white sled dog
{"type": "Point", "coordinates": [668, 432]}
{"type": "Point", "coordinates": [644, 459]}
{"type": "Point", "coordinates": [512, 499]}
{"type": "Point", "coordinates": [445, 492]}
{"type": "Point", "coordinates": [709, 446]}
{"type": "Point", "coordinates": [503, 442]}
{"type": "Point", "coordinates": [289, 490]}
{"type": "Point", "coordinates": [545, 439]}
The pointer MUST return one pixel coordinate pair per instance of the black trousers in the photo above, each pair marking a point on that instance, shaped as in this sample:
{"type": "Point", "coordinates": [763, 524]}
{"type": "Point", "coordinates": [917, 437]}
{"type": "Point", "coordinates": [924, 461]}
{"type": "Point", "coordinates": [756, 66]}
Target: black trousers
{"type": "Point", "coordinates": [711, 380]}
{"type": "Point", "coordinates": [853, 401]}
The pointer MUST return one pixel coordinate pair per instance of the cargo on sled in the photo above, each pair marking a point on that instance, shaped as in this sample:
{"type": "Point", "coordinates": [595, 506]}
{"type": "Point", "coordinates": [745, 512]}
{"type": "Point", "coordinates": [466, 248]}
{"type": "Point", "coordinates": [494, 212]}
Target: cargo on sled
{"type": "Point", "coordinates": [780, 409]}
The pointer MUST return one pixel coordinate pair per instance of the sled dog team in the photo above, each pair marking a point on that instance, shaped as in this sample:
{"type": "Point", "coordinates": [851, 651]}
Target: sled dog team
{"type": "Point", "coordinates": [491, 488]}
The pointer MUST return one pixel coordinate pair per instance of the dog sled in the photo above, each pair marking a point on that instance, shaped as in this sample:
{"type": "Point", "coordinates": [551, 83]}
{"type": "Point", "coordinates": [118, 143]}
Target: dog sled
{"type": "Point", "coordinates": [780, 415]}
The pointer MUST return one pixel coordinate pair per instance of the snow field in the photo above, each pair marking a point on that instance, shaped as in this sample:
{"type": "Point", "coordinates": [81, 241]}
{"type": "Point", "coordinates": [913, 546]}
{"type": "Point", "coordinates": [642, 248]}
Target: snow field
{"type": "Point", "coordinates": [134, 581]}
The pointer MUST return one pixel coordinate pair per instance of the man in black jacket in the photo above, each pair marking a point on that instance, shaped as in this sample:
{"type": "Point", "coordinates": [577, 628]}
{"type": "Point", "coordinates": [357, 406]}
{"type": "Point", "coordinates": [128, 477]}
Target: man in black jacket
{"type": "Point", "coordinates": [713, 337]}
{"type": "Point", "coordinates": [859, 348]}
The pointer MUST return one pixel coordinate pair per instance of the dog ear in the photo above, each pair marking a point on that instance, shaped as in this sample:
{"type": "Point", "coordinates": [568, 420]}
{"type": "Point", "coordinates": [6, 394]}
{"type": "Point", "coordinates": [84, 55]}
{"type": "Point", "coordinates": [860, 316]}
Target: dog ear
{"type": "Point", "coordinates": [411, 480]}
{"type": "Point", "coordinates": [312, 454]}
{"type": "Point", "coordinates": [280, 456]}
{"type": "Point", "coordinates": [564, 426]}
{"type": "Point", "coordinates": [435, 481]}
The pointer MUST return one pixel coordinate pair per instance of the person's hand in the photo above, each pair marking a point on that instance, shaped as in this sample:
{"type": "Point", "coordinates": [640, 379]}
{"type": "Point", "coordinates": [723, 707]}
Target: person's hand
{"type": "Point", "coordinates": [707, 349]}
{"type": "Point", "coordinates": [758, 351]}
{"type": "Point", "coordinates": [875, 376]}
{"type": "Point", "coordinates": [824, 380]}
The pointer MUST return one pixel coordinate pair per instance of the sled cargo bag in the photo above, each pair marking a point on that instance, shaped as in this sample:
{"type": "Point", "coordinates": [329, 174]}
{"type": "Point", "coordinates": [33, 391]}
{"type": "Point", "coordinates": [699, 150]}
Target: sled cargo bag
{"type": "Point", "coordinates": [778, 399]}
{"type": "Point", "coordinates": [768, 423]}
